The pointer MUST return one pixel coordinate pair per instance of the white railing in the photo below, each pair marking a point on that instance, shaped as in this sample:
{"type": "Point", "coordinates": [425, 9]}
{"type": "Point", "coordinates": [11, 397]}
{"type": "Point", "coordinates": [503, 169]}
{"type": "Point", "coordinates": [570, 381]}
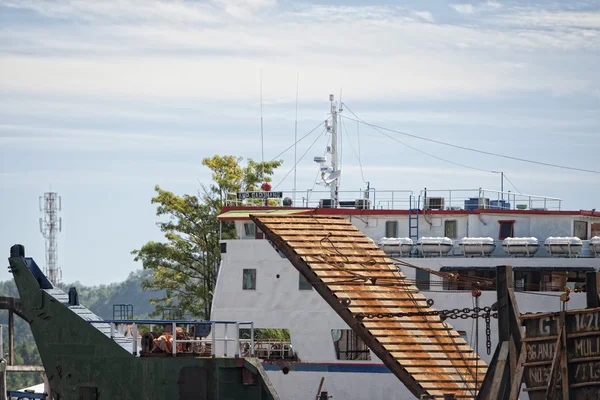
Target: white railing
{"type": "Point", "coordinates": [451, 199]}
{"type": "Point", "coordinates": [226, 338]}
{"type": "Point", "coordinates": [465, 199]}
{"type": "Point", "coordinates": [364, 199]}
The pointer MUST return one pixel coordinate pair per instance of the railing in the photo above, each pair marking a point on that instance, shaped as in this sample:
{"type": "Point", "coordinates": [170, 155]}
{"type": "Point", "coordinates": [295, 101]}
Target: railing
{"type": "Point", "coordinates": [173, 324]}
{"type": "Point", "coordinates": [451, 199]}
{"type": "Point", "coordinates": [458, 199]}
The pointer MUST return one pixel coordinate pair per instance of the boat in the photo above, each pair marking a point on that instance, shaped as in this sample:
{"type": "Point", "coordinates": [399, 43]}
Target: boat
{"type": "Point", "coordinates": [477, 246]}
{"type": "Point", "coordinates": [256, 281]}
{"type": "Point", "coordinates": [86, 357]}
{"type": "Point", "coordinates": [526, 246]}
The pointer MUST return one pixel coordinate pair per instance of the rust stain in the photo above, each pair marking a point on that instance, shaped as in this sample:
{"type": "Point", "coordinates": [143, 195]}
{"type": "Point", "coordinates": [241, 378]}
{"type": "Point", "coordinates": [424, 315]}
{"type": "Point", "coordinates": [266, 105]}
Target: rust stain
{"type": "Point", "coordinates": [356, 277]}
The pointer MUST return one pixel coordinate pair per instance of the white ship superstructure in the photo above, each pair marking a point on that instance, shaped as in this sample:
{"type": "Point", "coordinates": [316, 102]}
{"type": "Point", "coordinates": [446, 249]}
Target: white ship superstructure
{"type": "Point", "coordinates": [453, 232]}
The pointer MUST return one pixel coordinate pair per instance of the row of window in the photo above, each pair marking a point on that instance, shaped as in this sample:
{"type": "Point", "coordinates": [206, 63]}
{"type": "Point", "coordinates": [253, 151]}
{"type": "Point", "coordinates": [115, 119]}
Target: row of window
{"type": "Point", "coordinates": [249, 280]}
{"type": "Point", "coordinates": [506, 229]}
{"type": "Point", "coordinates": [525, 279]}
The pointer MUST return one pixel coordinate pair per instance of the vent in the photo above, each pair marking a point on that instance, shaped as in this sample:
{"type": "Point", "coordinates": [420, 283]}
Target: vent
{"type": "Point", "coordinates": [434, 203]}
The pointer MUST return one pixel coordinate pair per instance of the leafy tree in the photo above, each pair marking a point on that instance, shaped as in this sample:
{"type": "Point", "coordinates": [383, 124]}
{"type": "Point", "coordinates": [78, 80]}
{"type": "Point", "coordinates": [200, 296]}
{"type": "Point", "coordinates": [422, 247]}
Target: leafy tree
{"type": "Point", "coordinates": [185, 266]}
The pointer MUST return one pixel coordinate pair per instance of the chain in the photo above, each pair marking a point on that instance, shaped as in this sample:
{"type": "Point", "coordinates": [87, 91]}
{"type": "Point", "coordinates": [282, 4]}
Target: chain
{"type": "Point", "coordinates": [488, 333]}
{"type": "Point", "coordinates": [456, 313]}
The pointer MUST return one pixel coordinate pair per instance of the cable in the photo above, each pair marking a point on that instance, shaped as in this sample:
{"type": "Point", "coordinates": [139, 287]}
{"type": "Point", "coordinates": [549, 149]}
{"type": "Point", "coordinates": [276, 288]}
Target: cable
{"type": "Point", "coordinates": [354, 151]}
{"type": "Point", "coordinates": [468, 148]}
{"type": "Point", "coordinates": [299, 140]}
{"type": "Point", "coordinates": [307, 150]}
{"type": "Point", "coordinates": [512, 184]}
{"type": "Point", "coordinates": [379, 129]}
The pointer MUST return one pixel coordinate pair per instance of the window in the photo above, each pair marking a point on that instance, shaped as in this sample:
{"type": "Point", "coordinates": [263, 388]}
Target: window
{"type": "Point", "coordinates": [548, 279]}
{"type": "Point", "coordinates": [580, 229]}
{"type": "Point", "coordinates": [303, 284]}
{"type": "Point", "coordinates": [595, 230]}
{"type": "Point", "coordinates": [450, 229]}
{"type": "Point", "coordinates": [348, 346]}
{"type": "Point", "coordinates": [464, 278]}
{"type": "Point", "coordinates": [507, 229]}
{"type": "Point", "coordinates": [391, 228]}
{"type": "Point", "coordinates": [269, 344]}
{"type": "Point", "coordinates": [422, 280]}
{"type": "Point", "coordinates": [249, 229]}
{"type": "Point", "coordinates": [249, 279]}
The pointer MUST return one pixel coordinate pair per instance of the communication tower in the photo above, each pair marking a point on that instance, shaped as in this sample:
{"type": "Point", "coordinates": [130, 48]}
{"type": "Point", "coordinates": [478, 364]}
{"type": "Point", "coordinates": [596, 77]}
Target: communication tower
{"type": "Point", "coordinates": [50, 226]}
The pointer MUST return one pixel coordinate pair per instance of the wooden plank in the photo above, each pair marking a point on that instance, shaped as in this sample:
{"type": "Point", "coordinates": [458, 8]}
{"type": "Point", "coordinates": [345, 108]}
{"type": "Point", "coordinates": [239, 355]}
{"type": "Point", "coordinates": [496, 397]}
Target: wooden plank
{"type": "Point", "coordinates": [338, 252]}
{"type": "Point", "coordinates": [334, 228]}
{"type": "Point", "coordinates": [517, 378]}
{"type": "Point", "coordinates": [564, 365]}
{"type": "Point", "coordinates": [497, 381]}
{"type": "Point", "coordinates": [322, 233]}
{"type": "Point", "coordinates": [316, 238]}
{"type": "Point", "coordinates": [554, 369]}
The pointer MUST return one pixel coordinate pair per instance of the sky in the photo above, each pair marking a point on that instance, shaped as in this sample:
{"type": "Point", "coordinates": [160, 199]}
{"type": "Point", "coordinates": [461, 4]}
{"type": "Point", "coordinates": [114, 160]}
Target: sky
{"type": "Point", "coordinates": [102, 100]}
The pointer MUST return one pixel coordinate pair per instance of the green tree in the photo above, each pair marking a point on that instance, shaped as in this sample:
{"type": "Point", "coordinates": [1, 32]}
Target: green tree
{"type": "Point", "coordinates": [185, 266]}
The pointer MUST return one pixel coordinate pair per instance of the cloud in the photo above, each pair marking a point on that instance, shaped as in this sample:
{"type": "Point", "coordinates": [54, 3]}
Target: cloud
{"type": "Point", "coordinates": [199, 51]}
{"type": "Point", "coordinates": [463, 8]}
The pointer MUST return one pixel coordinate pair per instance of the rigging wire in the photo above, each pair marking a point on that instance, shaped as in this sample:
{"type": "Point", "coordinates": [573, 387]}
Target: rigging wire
{"type": "Point", "coordinates": [380, 130]}
{"type": "Point", "coordinates": [354, 151]}
{"type": "Point", "coordinates": [468, 148]}
{"type": "Point", "coordinates": [512, 184]}
{"type": "Point", "coordinates": [301, 157]}
{"type": "Point", "coordinates": [298, 141]}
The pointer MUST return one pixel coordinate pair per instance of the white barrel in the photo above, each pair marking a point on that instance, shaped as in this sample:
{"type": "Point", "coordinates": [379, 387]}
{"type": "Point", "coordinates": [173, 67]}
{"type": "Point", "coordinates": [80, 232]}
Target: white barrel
{"type": "Point", "coordinates": [521, 246]}
{"type": "Point", "coordinates": [401, 246]}
{"type": "Point", "coordinates": [434, 245]}
{"type": "Point", "coordinates": [483, 246]}
{"type": "Point", "coordinates": [569, 246]}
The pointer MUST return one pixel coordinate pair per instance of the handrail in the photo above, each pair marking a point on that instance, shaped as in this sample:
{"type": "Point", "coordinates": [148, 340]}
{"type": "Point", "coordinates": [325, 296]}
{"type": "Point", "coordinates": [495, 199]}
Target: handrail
{"type": "Point", "coordinates": [174, 323]}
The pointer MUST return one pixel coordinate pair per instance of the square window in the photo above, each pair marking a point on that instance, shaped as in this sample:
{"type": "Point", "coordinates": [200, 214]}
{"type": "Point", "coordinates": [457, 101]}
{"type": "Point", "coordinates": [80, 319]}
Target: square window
{"type": "Point", "coordinates": [422, 280]}
{"type": "Point", "coordinates": [249, 229]}
{"type": "Point", "coordinates": [507, 229]}
{"type": "Point", "coordinates": [450, 229]}
{"type": "Point", "coordinates": [348, 346]}
{"type": "Point", "coordinates": [249, 279]}
{"type": "Point", "coordinates": [391, 228]}
{"type": "Point", "coordinates": [580, 229]}
{"type": "Point", "coordinates": [303, 284]}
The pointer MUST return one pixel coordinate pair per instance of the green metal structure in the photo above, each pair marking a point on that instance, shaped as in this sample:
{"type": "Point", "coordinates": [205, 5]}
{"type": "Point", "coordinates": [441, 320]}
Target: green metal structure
{"type": "Point", "coordinates": [84, 362]}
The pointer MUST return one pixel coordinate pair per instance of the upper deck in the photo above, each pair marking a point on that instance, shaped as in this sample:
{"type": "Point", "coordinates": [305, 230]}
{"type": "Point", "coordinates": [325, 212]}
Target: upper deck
{"type": "Point", "coordinates": [451, 214]}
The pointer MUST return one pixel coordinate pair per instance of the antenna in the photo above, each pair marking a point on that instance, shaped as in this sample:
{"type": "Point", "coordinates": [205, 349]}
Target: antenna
{"type": "Point", "coordinates": [296, 136]}
{"type": "Point", "coordinates": [262, 140]}
{"type": "Point", "coordinates": [50, 226]}
{"type": "Point", "coordinates": [334, 154]}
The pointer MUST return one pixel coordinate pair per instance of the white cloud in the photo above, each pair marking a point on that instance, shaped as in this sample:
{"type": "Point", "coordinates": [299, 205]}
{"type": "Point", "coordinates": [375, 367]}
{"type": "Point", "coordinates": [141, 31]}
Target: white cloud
{"type": "Point", "coordinates": [425, 15]}
{"type": "Point", "coordinates": [463, 8]}
{"type": "Point", "coordinates": [193, 50]}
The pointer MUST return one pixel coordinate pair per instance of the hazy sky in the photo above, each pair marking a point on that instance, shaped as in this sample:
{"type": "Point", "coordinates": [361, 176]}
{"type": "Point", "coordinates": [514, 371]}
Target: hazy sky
{"type": "Point", "coordinates": [101, 100]}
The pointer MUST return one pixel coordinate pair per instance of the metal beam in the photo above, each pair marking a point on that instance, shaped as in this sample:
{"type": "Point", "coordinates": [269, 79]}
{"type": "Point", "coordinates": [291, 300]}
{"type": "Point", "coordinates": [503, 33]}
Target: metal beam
{"type": "Point", "coordinates": [11, 338]}
{"type": "Point", "coordinates": [591, 289]}
{"type": "Point", "coordinates": [25, 368]}
{"type": "Point", "coordinates": [2, 379]}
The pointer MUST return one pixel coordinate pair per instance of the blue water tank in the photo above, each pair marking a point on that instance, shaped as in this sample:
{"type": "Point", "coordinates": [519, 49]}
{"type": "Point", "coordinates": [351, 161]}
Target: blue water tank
{"type": "Point", "coordinates": [472, 203]}
{"type": "Point", "coordinates": [500, 204]}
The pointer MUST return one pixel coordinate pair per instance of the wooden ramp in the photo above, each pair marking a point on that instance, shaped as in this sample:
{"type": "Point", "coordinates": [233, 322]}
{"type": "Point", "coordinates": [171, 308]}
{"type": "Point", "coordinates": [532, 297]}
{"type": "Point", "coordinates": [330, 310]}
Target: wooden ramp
{"type": "Point", "coordinates": [363, 286]}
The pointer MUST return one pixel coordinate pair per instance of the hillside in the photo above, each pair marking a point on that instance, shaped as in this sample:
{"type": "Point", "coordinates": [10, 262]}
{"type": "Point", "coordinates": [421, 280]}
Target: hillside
{"type": "Point", "coordinates": [99, 299]}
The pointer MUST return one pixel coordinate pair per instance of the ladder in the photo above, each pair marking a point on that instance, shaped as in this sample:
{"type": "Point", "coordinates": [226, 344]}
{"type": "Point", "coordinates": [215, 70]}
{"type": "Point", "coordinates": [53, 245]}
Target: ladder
{"type": "Point", "coordinates": [413, 217]}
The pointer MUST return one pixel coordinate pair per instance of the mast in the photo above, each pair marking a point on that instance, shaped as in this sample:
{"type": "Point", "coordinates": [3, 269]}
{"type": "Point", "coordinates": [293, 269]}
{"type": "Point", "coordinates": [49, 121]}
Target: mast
{"type": "Point", "coordinates": [334, 152]}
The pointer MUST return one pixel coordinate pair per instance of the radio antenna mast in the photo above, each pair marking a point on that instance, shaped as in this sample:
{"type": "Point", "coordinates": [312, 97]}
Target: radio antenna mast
{"type": "Point", "coordinates": [50, 227]}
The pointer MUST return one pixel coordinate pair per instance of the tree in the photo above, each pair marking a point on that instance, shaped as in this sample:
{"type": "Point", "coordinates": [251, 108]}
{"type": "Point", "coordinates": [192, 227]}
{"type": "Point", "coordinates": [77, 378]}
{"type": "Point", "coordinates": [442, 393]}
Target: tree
{"type": "Point", "coordinates": [185, 266]}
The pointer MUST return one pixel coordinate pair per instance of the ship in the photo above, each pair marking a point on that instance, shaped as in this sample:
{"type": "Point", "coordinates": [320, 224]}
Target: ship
{"type": "Point", "coordinates": [88, 358]}
{"type": "Point", "coordinates": [445, 243]}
